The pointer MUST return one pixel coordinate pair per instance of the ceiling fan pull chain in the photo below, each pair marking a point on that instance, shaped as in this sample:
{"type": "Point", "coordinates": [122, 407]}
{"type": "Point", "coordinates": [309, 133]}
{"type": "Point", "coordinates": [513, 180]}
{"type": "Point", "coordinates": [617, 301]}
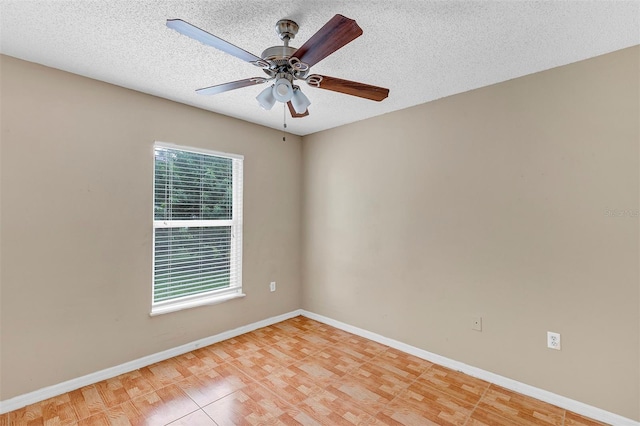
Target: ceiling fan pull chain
{"type": "Point", "coordinates": [284, 123]}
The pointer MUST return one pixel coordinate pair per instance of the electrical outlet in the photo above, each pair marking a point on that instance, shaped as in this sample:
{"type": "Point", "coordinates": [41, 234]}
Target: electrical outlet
{"type": "Point", "coordinates": [272, 286]}
{"type": "Point", "coordinates": [476, 324]}
{"type": "Point", "coordinates": [553, 340]}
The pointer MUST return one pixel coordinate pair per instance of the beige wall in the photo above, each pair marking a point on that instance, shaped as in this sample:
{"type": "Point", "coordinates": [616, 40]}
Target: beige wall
{"type": "Point", "coordinates": [76, 224]}
{"type": "Point", "coordinates": [491, 203]}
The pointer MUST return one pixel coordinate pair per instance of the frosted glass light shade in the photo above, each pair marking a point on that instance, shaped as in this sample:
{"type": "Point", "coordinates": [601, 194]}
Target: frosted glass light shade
{"type": "Point", "coordinates": [299, 101]}
{"type": "Point", "coordinates": [282, 90]}
{"type": "Point", "coordinates": [266, 98]}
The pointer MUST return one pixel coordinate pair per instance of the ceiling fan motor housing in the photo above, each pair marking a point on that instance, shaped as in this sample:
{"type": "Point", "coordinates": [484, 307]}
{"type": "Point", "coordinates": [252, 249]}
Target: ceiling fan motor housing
{"type": "Point", "coordinates": [278, 55]}
{"type": "Point", "coordinates": [276, 59]}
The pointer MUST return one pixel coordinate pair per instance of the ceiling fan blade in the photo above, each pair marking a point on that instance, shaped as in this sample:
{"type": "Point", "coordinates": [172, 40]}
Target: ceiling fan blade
{"type": "Point", "coordinates": [352, 88]}
{"type": "Point", "coordinates": [293, 112]}
{"type": "Point", "coordinates": [336, 33]}
{"type": "Point", "coordinates": [232, 85]}
{"type": "Point", "coordinates": [202, 36]}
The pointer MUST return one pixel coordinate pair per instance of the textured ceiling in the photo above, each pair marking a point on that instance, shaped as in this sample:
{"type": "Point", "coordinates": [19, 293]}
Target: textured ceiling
{"type": "Point", "coordinates": [420, 50]}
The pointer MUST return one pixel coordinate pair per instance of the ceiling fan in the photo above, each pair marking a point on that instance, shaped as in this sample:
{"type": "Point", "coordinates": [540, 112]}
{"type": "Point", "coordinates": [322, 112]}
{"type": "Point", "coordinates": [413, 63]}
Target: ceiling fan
{"type": "Point", "coordinates": [284, 65]}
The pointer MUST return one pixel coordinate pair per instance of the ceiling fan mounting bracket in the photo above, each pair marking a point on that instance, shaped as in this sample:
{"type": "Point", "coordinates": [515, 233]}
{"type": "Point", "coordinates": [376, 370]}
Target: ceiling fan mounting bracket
{"type": "Point", "coordinates": [314, 80]}
{"type": "Point", "coordinates": [261, 63]}
{"type": "Point", "coordinates": [286, 30]}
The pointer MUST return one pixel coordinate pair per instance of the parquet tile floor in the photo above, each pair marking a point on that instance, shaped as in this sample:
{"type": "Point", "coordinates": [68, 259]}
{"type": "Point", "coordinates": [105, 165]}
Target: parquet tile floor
{"type": "Point", "coordinates": [297, 372]}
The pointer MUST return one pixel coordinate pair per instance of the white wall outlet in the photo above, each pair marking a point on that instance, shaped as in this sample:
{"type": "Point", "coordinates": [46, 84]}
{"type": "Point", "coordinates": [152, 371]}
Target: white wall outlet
{"type": "Point", "coordinates": [476, 324]}
{"type": "Point", "coordinates": [272, 286]}
{"type": "Point", "coordinates": [553, 340]}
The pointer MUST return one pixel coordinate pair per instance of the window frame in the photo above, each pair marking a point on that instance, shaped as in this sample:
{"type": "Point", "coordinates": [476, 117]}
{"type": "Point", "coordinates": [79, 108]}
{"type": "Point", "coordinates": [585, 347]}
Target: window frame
{"type": "Point", "coordinates": [218, 295]}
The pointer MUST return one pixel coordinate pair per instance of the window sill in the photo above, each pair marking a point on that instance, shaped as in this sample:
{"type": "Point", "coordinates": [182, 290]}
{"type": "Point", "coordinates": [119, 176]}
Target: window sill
{"type": "Point", "coordinates": [179, 306]}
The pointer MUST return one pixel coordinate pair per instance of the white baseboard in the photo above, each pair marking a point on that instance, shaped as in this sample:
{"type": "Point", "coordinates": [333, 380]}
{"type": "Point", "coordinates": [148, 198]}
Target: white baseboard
{"type": "Point", "coordinates": [541, 394]}
{"type": "Point", "coordinates": [20, 401]}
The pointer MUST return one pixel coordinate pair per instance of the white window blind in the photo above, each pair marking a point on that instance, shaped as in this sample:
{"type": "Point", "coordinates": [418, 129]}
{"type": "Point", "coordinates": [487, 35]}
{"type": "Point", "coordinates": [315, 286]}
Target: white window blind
{"type": "Point", "coordinates": [197, 247]}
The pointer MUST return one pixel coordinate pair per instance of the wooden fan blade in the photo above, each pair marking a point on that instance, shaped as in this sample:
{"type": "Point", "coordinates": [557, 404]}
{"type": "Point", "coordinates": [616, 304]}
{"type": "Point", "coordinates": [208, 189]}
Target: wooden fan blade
{"type": "Point", "coordinates": [336, 33]}
{"type": "Point", "coordinates": [232, 85]}
{"type": "Point", "coordinates": [353, 88]}
{"type": "Point", "coordinates": [204, 37]}
{"type": "Point", "coordinates": [293, 112]}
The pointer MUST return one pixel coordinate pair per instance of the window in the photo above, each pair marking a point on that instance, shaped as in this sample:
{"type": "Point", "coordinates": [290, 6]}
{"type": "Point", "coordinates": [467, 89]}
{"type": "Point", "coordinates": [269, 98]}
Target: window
{"type": "Point", "coordinates": [197, 227]}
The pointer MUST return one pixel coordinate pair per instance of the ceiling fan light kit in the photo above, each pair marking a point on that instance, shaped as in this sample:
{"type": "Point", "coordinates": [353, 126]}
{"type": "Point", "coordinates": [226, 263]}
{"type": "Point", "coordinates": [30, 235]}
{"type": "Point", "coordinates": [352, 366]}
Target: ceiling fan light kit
{"type": "Point", "coordinates": [285, 64]}
{"type": "Point", "coordinates": [283, 89]}
{"type": "Point", "coordinates": [266, 99]}
{"type": "Point", "coordinates": [299, 100]}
